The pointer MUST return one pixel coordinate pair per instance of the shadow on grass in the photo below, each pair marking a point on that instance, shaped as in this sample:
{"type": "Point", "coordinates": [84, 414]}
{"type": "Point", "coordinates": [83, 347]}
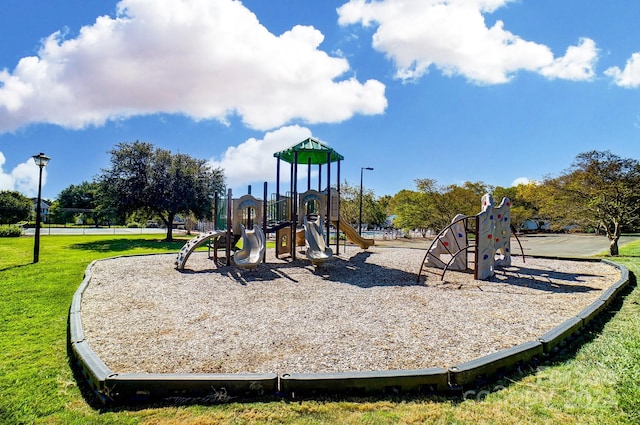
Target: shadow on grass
{"type": "Point", "coordinates": [15, 266]}
{"type": "Point", "coordinates": [121, 245]}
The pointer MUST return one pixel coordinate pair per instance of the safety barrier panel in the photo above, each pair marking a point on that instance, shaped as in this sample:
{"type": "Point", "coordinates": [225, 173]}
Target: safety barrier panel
{"type": "Point", "coordinates": [112, 387]}
{"type": "Point", "coordinates": [560, 334]}
{"type": "Point", "coordinates": [592, 311]}
{"type": "Point", "coordinates": [480, 371]}
{"type": "Point", "coordinates": [424, 381]}
{"type": "Point", "coordinates": [128, 388]}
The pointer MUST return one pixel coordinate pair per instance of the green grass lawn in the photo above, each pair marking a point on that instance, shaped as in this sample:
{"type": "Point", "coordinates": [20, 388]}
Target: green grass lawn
{"type": "Point", "coordinates": [599, 383]}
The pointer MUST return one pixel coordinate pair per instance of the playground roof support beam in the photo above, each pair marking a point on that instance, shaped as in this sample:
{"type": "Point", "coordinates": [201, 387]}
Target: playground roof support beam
{"type": "Point", "coordinates": [229, 226]}
{"type": "Point", "coordinates": [309, 151]}
{"type": "Point", "coordinates": [328, 211]}
{"type": "Point", "coordinates": [338, 208]}
{"type": "Point", "coordinates": [294, 204]}
{"type": "Point", "coordinates": [264, 219]}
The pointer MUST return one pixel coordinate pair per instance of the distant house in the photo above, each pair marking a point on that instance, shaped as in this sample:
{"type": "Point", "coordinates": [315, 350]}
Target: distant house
{"type": "Point", "coordinates": [531, 225]}
{"type": "Point", "coordinates": [44, 209]}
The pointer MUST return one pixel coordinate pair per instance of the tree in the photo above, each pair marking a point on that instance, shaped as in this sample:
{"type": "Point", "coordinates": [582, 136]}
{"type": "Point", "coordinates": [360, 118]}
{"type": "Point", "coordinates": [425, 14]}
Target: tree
{"type": "Point", "coordinates": [372, 212]}
{"type": "Point", "coordinates": [433, 206]}
{"type": "Point", "coordinates": [430, 206]}
{"type": "Point", "coordinates": [465, 199]}
{"type": "Point", "coordinates": [412, 210]}
{"type": "Point", "coordinates": [524, 201]}
{"type": "Point", "coordinates": [384, 208]}
{"type": "Point", "coordinates": [154, 180]}
{"type": "Point", "coordinates": [75, 199]}
{"type": "Point", "coordinates": [14, 207]}
{"type": "Point", "coordinates": [600, 189]}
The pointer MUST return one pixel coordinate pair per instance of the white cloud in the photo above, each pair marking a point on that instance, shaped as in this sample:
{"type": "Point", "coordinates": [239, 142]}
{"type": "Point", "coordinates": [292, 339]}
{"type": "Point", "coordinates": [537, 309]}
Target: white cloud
{"type": "Point", "coordinates": [629, 77]}
{"type": "Point", "coordinates": [6, 181]}
{"type": "Point", "coordinates": [577, 64]}
{"type": "Point", "coordinates": [253, 161]}
{"type": "Point", "coordinates": [521, 180]}
{"type": "Point", "coordinates": [23, 178]}
{"type": "Point", "coordinates": [453, 36]}
{"type": "Point", "coordinates": [207, 59]}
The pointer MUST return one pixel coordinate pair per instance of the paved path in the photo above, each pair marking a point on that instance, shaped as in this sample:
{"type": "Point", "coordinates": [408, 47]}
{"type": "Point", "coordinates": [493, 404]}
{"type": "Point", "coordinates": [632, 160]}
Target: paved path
{"type": "Point", "coordinates": [566, 245]}
{"type": "Point", "coordinates": [557, 245]}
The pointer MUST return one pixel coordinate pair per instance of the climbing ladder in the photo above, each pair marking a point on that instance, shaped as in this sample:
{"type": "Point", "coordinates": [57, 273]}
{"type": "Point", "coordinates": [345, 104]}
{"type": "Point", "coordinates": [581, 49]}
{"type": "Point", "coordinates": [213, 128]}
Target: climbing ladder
{"type": "Point", "coordinates": [192, 244]}
{"type": "Point", "coordinates": [453, 241]}
{"type": "Point", "coordinates": [460, 248]}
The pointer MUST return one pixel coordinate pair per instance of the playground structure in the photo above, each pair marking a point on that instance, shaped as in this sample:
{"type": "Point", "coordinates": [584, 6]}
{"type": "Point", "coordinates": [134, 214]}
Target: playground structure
{"type": "Point", "coordinates": [296, 219]}
{"type": "Point", "coordinates": [314, 206]}
{"type": "Point", "coordinates": [230, 224]}
{"type": "Point", "coordinates": [490, 245]}
{"type": "Point", "coordinates": [307, 215]}
{"type": "Point", "coordinates": [113, 386]}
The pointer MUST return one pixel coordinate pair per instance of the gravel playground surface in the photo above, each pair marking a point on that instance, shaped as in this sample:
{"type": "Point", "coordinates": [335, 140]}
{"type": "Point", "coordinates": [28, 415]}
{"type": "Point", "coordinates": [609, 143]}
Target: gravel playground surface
{"type": "Point", "coordinates": [363, 310]}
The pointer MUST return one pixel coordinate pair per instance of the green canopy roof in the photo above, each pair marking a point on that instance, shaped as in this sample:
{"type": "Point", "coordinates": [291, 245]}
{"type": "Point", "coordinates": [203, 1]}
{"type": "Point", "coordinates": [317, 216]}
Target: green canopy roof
{"type": "Point", "coordinates": [309, 149]}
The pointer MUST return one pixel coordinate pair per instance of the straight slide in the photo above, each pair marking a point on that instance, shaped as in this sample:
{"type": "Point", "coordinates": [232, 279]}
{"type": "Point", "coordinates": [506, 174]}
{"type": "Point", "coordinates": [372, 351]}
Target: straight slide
{"type": "Point", "coordinates": [352, 234]}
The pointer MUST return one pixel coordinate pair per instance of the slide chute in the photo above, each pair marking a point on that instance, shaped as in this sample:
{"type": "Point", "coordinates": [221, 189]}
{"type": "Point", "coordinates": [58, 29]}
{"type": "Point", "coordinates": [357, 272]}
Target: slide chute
{"type": "Point", "coordinates": [253, 246]}
{"type": "Point", "coordinates": [317, 250]}
{"type": "Point", "coordinates": [352, 234]}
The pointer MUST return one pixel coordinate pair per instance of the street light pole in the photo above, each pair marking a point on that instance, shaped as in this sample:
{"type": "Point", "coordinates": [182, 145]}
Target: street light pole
{"type": "Point", "coordinates": [41, 161]}
{"type": "Point", "coordinates": [360, 216]}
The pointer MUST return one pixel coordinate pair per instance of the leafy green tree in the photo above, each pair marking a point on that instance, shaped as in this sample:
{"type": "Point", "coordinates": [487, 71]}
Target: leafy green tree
{"type": "Point", "coordinates": [77, 199]}
{"type": "Point", "coordinates": [56, 215]}
{"type": "Point", "coordinates": [14, 207]}
{"type": "Point", "coordinates": [384, 208]}
{"type": "Point", "coordinates": [465, 199]}
{"type": "Point", "coordinates": [419, 210]}
{"type": "Point", "coordinates": [500, 192]}
{"type": "Point", "coordinates": [372, 212]}
{"type": "Point", "coordinates": [433, 206]}
{"type": "Point", "coordinates": [600, 189]}
{"type": "Point", "coordinates": [523, 201]}
{"type": "Point", "coordinates": [349, 199]}
{"type": "Point", "coordinates": [412, 210]}
{"type": "Point", "coordinates": [142, 177]}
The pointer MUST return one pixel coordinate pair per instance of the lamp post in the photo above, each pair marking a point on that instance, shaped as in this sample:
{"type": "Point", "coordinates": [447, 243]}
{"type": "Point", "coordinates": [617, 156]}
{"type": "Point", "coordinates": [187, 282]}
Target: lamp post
{"type": "Point", "coordinates": [41, 161]}
{"type": "Point", "coordinates": [360, 216]}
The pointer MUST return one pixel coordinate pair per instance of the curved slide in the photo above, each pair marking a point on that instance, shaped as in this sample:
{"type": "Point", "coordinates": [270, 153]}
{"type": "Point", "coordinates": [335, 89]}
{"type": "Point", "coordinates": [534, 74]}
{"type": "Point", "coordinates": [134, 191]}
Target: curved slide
{"type": "Point", "coordinates": [192, 244]}
{"type": "Point", "coordinates": [253, 246]}
{"type": "Point", "coordinates": [352, 234]}
{"type": "Point", "coordinates": [317, 250]}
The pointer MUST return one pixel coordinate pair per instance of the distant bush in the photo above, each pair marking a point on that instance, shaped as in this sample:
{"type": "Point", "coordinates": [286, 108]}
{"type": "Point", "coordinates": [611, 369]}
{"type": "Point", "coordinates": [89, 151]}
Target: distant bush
{"type": "Point", "coordinates": [133, 225]}
{"type": "Point", "coordinates": [10, 231]}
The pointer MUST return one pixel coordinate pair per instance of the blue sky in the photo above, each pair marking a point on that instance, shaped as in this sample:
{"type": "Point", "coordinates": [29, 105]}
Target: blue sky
{"type": "Point", "coordinates": [454, 90]}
